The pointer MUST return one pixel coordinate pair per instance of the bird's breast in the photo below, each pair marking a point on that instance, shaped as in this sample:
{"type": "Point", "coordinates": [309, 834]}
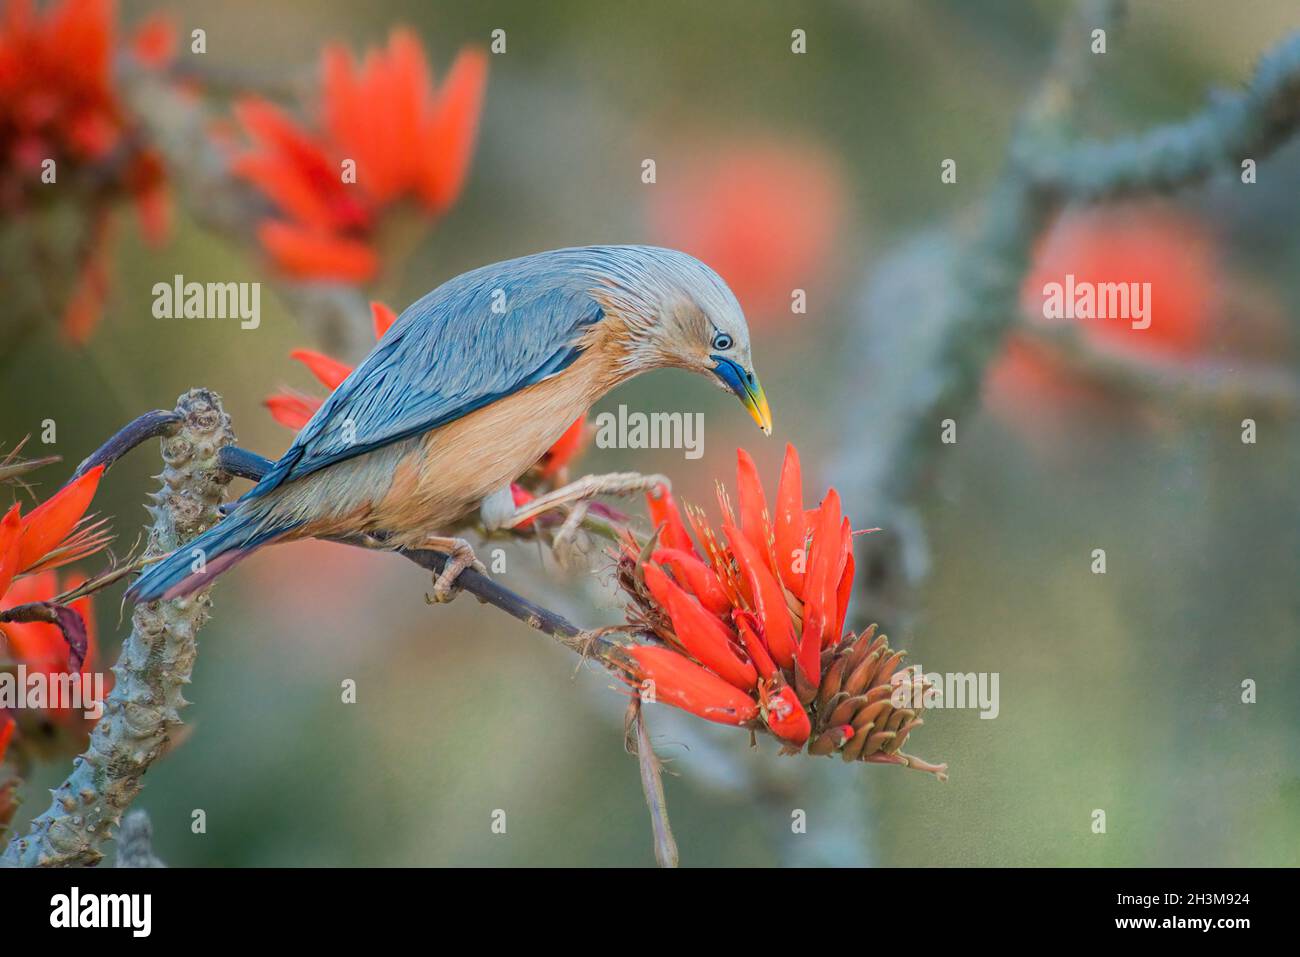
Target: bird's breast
{"type": "Point", "coordinates": [447, 474]}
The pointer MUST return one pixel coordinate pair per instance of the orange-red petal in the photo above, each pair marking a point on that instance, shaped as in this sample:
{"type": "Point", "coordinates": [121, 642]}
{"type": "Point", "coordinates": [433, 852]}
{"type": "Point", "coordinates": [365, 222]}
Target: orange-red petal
{"type": "Point", "coordinates": [383, 318]}
{"type": "Point", "coordinates": [11, 528]}
{"type": "Point", "coordinates": [696, 577]}
{"type": "Point", "coordinates": [291, 409]}
{"type": "Point", "coordinates": [825, 564]}
{"type": "Point", "coordinates": [786, 716]}
{"type": "Point", "coordinates": [448, 140]}
{"type": "Point", "coordinates": [53, 520]}
{"type": "Point", "coordinates": [306, 254]}
{"type": "Point", "coordinates": [521, 497]}
{"type": "Point", "coordinates": [844, 590]}
{"type": "Point", "coordinates": [768, 597]}
{"type": "Point", "coordinates": [680, 682]}
{"type": "Point", "coordinates": [754, 520]}
{"type": "Point", "coordinates": [706, 638]}
{"type": "Point", "coordinates": [750, 630]}
{"type": "Point", "coordinates": [153, 43]}
{"type": "Point", "coordinates": [665, 516]}
{"type": "Point", "coordinates": [328, 370]}
{"type": "Point", "coordinates": [790, 528]}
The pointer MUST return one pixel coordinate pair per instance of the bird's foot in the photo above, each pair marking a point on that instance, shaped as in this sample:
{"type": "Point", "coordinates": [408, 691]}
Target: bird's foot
{"type": "Point", "coordinates": [460, 556]}
{"type": "Point", "coordinates": [570, 543]}
{"type": "Point", "coordinates": [585, 489]}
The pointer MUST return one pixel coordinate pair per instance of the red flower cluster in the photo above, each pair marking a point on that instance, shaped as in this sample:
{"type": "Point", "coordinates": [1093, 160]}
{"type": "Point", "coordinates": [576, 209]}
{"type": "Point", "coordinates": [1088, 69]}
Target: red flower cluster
{"type": "Point", "coordinates": [54, 533]}
{"type": "Point", "coordinates": [58, 102]}
{"type": "Point", "coordinates": [752, 623]}
{"type": "Point", "coordinates": [385, 134]}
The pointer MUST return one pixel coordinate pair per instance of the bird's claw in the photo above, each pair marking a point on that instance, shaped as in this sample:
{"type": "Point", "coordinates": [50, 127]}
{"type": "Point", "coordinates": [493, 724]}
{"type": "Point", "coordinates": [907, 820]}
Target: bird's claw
{"type": "Point", "coordinates": [570, 542]}
{"type": "Point", "coordinates": [460, 556]}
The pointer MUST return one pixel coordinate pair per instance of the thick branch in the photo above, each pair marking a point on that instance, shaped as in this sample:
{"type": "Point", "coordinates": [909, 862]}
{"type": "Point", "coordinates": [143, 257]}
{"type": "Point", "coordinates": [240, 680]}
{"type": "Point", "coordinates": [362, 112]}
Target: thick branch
{"type": "Point", "coordinates": [1245, 125]}
{"type": "Point", "coordinates": [156, 658]}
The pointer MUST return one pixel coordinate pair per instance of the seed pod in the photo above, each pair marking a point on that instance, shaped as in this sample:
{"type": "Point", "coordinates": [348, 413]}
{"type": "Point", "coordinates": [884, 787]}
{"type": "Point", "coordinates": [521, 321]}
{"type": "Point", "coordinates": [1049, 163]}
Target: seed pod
{"type": "Point", "coordinates": [832, 739]}
{"type": "Point", "coordinates": [872, 712]}
{"type": "Point", "coordinates": [902, 735]}
{"type": "Point", "coordinates": [856, 682]}
{"type": "Point", "coordinates": [846, 709]}
{"type": "Point", "coordinates": [876, 740]}
{"type": "Point", "coordinates": [830, 684]}
{"type": "Point", "coordinates": [853, 748]}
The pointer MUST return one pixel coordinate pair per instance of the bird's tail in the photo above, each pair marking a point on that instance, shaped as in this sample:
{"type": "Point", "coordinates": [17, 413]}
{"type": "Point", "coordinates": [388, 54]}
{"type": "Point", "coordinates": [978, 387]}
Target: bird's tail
{"type": "Point", "coordinates": [193, 565]}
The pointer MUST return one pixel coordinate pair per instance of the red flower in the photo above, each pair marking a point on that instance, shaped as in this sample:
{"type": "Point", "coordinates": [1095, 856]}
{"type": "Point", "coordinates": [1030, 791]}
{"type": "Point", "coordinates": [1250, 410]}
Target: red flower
{"type": "Point", "coordinates": [39, 645]}
{"type": "Point", "coordinates": [1033, 385]}
{"type": "Point", "coordinates": [765, 215]}
{"type": "Point", "coordinates": [406, 139]}
{"type": "Point", "coordinates": [54, 533]}
{"type": "Point", "coordinates": [1149, 242]}
{"type": "Point", "coordinates": [751, 624]}
{"type": "Point", "coordinates": [58, 102]}
{"type": "Point", "coordinates": [44, 649]}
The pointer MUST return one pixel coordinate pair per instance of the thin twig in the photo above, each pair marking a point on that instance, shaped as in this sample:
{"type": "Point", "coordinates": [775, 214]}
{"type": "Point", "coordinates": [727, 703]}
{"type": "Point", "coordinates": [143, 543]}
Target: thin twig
{"type": "Point", "coordinates": [638, 742]}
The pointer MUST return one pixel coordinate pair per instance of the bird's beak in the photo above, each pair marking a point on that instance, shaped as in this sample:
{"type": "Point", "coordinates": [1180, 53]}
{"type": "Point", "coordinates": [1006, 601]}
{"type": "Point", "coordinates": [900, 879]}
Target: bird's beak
{"type": "Point", "coordinates": [746, 386]}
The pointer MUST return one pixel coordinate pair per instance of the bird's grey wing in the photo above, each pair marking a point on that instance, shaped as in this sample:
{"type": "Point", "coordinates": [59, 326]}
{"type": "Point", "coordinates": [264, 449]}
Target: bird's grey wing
{"type": "Point", "coordinates": [468, 343]}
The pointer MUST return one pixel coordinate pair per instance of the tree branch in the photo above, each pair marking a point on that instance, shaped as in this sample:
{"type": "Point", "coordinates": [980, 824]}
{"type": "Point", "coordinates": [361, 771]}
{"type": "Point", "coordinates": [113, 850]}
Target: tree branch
{"type": "Point", "coordinates": [156, 658]}
{"type": "Point", "coordinates": [979, 302]}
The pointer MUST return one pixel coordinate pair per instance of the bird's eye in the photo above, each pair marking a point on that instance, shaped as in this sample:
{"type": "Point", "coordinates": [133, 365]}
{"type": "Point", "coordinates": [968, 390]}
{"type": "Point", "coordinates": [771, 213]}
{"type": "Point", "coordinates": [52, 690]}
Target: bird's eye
{"type": "Point", "coordinates": [722, 342]}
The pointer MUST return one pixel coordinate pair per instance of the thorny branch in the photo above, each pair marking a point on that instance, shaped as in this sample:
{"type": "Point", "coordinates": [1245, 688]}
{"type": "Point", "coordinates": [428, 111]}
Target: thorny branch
{"type": "Point", "coordinates": [143, 709]}
{"type": "Point", "coordinates": [158, 655]}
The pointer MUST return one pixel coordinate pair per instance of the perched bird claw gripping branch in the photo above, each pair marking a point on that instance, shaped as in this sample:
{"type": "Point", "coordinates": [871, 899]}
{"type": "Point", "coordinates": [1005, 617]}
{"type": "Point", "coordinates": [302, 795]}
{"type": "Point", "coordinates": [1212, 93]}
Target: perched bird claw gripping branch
{"type": "Point", "coordinates": [466, 390]}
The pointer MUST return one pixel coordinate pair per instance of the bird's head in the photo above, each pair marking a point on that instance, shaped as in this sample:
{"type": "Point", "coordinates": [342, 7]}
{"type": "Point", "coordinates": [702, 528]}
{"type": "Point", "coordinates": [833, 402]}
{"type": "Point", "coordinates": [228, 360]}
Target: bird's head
{"type": "Point", "coordinates": [678, 312]}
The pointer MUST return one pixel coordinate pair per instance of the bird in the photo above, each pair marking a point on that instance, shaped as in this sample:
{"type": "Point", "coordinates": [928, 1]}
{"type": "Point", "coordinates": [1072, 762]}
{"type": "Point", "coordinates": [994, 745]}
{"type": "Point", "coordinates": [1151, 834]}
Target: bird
{"type": "Point", "coordinates": [465, 391]}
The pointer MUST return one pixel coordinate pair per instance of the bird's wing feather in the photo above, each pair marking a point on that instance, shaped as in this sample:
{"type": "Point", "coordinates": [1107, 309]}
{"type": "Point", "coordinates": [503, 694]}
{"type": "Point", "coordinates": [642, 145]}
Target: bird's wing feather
{"type": "Point", "coordinates": [449, 354]}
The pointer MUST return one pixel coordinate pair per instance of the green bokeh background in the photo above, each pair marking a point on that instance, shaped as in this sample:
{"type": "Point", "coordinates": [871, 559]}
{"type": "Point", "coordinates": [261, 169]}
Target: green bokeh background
{"type": "Point", "coordinates": [1118, 692]}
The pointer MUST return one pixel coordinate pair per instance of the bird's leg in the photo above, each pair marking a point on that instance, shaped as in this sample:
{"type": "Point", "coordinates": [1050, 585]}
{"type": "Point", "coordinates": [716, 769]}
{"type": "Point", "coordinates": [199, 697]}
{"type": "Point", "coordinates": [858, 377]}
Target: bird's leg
{"type": "Point", "coordinates": [587, 487]}
{"type": "Point", "coordinates": [460, 556]}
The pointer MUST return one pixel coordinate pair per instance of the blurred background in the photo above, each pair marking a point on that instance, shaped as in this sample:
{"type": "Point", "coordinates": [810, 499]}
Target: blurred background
{"type": "Point", "coordinates": [817, 171]}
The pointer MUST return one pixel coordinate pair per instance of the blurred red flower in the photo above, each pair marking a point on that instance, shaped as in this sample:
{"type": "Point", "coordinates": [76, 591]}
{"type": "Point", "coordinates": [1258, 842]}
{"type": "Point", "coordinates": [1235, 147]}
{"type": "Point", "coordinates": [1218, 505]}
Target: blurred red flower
{"type": "Point", "coordinates": [1034, 387]}
{"type": "Point", "coordinates": [39, 645]}
{"type": "Point", "coordinates": [752, 623]}
{"type": "Point", "coordinates": [406, 139]}
{"type": "Point", "coordinates": [765, 215]}
{"type": "Point", "coordinates": [59, 103]}
{"type": "Point", "coordinates": [43, 649]}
